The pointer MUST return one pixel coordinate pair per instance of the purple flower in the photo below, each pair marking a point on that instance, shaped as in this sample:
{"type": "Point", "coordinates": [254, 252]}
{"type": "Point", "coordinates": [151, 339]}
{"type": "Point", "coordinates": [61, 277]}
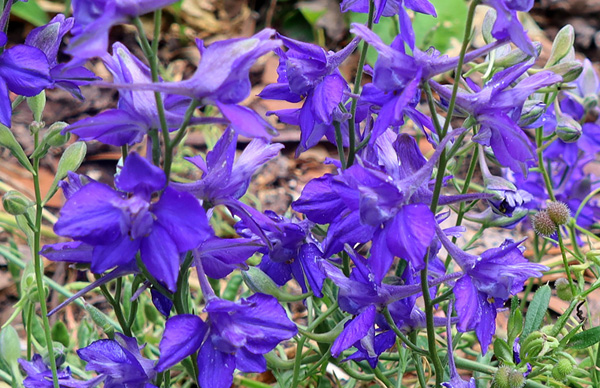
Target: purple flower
{"type": "Point", "coordinates": [24, 70]}
{"type": "Point", "coordinates": [225, 180]}
{"type": "Point", "coordinates": [307, 72]}
{"type": "Point", "coordinates": [119, 362]}
{"type": "Point", "coordinates": [488, 282]}
{"type": "Point", "coordinates": [48, 39]}
{"type": "Point", "coordinates": [222, 79]}
{"type": "Point", "coordinates": [119, 223]}
{"type": "Point", "coordinates": [136, 114]}
{"type": "Point", "coordinates": [94, 18]}
{"type": "Point", "coordinates": [498, 109]}
{"type": "Point", "coordinates": [235, 336]}
{"type": "Point", "coordinates": [507, 24]}
{"type": "Point", "coordinates": [391, 8]}
{"type": "Point", "coordinates": [289, 251]}
{"type": "Point", "coordinates": [39, 375]}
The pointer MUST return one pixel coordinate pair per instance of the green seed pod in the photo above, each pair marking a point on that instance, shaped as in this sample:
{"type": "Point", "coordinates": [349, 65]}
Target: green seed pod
{"type": "Point", "coordinates": [562, 369]}
{"type": "Point", "coordinates": [543, 224]}
{"type": "Point", "coordinates": [568, 129]}
{"type": "Point", "coordinates": [501, 377]}
{"type": "Point", "coordinates": [16, 203]}
{"type": "Point", "coordinates": [558, 212]}
{"type": "Point", "coordinates": [516, 379]}
{"type": "Point", "coordinates": [563, 289]}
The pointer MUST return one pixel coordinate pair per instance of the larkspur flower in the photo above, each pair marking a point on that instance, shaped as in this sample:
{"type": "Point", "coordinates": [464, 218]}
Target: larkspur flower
{"type": "Point", "coordinates": [119, 223]}
{"type": "Point", "coordinates": [498, 109]}
{"type": "Point", "coordinates": [136, 114]}
{"type": "Point", "coordinates": [94, 18]}
{"type": "Point", "coordinates": [48, 39]}
{"type": "Point", "coordinates": [507, 24]}
{"type": "Point", "coordinates": [307, 72]}
{"type": "Point", "coordinates": [119, 362]}
{"type": "Point", "coordinates": [222, 79]}
{"type": "Point", "coordinates": [39, 375]}
{"type": "Point", "coordinates": [236, 335]}
{"type": "Point", "coordinates": [391, 8]}
{"type": "Point", "coordinates": [488, 282]}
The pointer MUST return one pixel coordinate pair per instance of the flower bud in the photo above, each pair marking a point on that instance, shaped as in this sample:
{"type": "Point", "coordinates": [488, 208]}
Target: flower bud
{"type": "Point", "coordinates": [488, 25]}
{"type": "Point", "coordinates": [15, 203]}
{"type": "Point", "coordinates": [590, 102]}
{"type": "Point", "coordinates": [593, 256]}
{"type": "Point", "coordinates": [37, 104]}
{"type": "Point", "coordinates": [562, 369]}
{"type": "Point", "coordinates": [563, 289]}
{"type": "Point", "coordinates": [54, 137]}
{"type": "Point", "coordinates": [506, 195]}
{"type": "Point", "coordinates": [568, 129]}
{"type": "Point", "coordinates": [569, 71]}
{"type": "Point", "coordinates": [258, 281]}
{"type": "Point", "coordinates": [531, 112]}
{"type": "Point", "coordinates": [501, 377]}
{"type": "Point", "coordinates": [558, 212]}
{"type": "Point", "coordinates": [543, 224]}
{"type": "Point", "coordinates": [563, 43]}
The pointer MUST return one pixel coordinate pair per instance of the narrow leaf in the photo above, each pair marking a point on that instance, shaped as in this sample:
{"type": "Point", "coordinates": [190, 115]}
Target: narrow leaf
{"type": "Point", "coordinates": [70, 161]}
{"type": "Point", "coordinates": [7, 139]}
{"type": "Point", "coordinates": [586, 338]}
{"type": "Point", "coordinates": [536, 311]}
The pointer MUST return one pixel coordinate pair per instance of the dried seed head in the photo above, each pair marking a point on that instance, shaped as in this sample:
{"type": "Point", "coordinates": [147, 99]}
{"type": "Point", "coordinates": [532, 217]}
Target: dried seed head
{"type": "Point", "coordinates": [559, 212]}
{"type": "Point", "coordinates": [543, 224]}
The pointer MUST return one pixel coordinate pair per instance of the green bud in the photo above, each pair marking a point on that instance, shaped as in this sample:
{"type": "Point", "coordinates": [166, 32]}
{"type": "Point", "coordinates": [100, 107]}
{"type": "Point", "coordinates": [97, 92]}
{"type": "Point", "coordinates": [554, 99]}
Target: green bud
{"type": "Point", "coordinates": [10, 347]}
{"type": "Point", "coordinates": [568, 129]}
{"type": "Point", "coordinates": [151, 313]}
{"type": "Point", "coordinates": [53, 136]}
{"type": "Point", "coordinates": [562, 45]}
{"type": "Point", "coordinates": [258, 281]}
{"type": "Point", "coordinates": [37, 104]}
{"type": "Point", "coordinates": [487, 25]}
{"type": "Point", "coordinates": [569, 71]}
{"type": "Point", "coordinates": [16, 203]}
{"type": "Point", "coordinates": [590, 102]}
{"type": "Point", "coordinates": [532, 110]}
{"type": "Point", "coordinates": [563, 289]}
{"type": "Point", "coordinates": [562, 369]}
{"type": "Point", "coordinates": [501, 377]}
{"type": "Point", "coordinates": [100, 319]}
{"type": "Point", "coordinates": [542, 224]}
{"type": "Point", "coordinates": [558, 212]}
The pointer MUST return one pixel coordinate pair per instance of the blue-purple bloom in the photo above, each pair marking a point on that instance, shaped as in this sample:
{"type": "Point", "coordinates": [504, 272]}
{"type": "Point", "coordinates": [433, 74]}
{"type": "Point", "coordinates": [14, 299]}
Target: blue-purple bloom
{"type": "Point", "coordinates": [235, 336]}
{"type": "Point", "coordinates": [39, 375]}
{"type": "Point", "coordinates": [119, 223]}
{"type": "Point", "coordinates": [507, 24]}
{"type": "Point", "coordinates": [488, 282]}
{"type": "Point", "coordinates": [307, 72]}
{"type": "Point", "coordinates": [94, 18]}
{"type": "Point", "coordinates": [48, 39]}
{"type": "Point", "coordinates": [119, 363]}
{"type": "Point", "coordinates": [136, 114]}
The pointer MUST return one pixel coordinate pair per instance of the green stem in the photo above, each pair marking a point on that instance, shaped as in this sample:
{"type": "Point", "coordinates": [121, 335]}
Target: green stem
{"type": "Point", "coordinates": [170, 145]}
{"type": "Point", "coordinates": [339, 139]}
{"type": "Point", "coordinates": [39, 265]}
{"type": "Point", "coordinates": [418, 365]}
{"type": "Point", "coordinates": [565, 261]}
{"type": "Point", "coordinates": [298, 362]}
{"type": "Point", "coordinates": [356, 89]}
{"type": "Point", "coordinates": [401, 335]}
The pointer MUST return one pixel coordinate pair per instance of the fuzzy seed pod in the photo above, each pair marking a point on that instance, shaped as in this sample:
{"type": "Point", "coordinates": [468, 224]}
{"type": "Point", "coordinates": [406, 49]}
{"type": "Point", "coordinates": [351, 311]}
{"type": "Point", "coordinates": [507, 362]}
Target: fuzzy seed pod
{"type": "Point", "coordinates": [563, 290]}
{"type": "Point", "coordinates": [562, 369]}
{"type": "Point", "coordinates": [501, 377]}
{"type": "Point", "coordinates": [543, 224]}
{"type": "Point", "coordinates": [516, 379]}
{"type": "Point", "coordinates": [559, 212]}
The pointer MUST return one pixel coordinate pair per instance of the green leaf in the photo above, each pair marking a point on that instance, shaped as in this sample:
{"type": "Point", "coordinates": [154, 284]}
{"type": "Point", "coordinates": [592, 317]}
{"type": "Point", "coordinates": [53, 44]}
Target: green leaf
{"type": "Point", "coordinates": [70, 161]}
{"type": "Point", "coordinates": [503, 351]}
{"type": "Point", "coordinates": [7, 139]}
{"type": "Point", "coordinates": [536, 310]}
{"type": "Point", "coordinates": [30, 12]}
{"type": "Point", "coordinates": [60, 333]}
{"type": "Point", "coordinates": [444, 31]}
{"type": "Point", "coordinates": [10, 348]}
{"type": "Point", "coordinates": [586, 338]}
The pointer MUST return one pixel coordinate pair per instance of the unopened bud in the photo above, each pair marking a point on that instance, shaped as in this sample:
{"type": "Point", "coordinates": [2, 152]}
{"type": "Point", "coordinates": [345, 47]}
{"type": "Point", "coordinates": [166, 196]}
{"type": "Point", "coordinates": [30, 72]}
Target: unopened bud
{"type": "Point", "coordinates": [37, 104]}
{"type": "Point", "coordinates": [593, 256]}
{"type": "Point", "coordinates": [558, 212]}
{"type": "Point", "coordinates": [532, 111]}
{"type": "Point", "coordinates": [543, 224]}
{"type": "Point", "coordinates": [54, 136]}
{"type": "Point", "coordinates": [569, 71]}
{"type": "Point", "coordinates": [562, 369]}
{"type": "Point", "coordinates": [568, 129]}
{"type": "Point", "coordinates": [563, 289]}
{"type": "Point", "coordinates": [258, 281]}
{"type": "Point", "coordinates": [15, 203]}
{"type": "Point", "coordinates": [590, 102]}
{"type": "Point", "coordinates": [516, 56]}
{"type": "Point", "coordinates": [563, 42]}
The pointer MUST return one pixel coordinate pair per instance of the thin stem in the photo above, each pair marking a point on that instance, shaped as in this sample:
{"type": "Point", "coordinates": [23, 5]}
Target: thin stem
{"type": "Point", "coordinates": [418, 365]}
{"type": "Point", "coordinates": [298, 362]}
{"type": "Point", "coordinates": [170, 145]}
{"type": "Point", "coordinates": [39, 265]}
{"type": "Point", "coordinates": [401, 335]}
{"type": "Point", "coordinates": [356, 89]}
{"type": "Point", "coordinates": [565, 261]}
{"type": "Point", "coordinates": [340, 144]}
